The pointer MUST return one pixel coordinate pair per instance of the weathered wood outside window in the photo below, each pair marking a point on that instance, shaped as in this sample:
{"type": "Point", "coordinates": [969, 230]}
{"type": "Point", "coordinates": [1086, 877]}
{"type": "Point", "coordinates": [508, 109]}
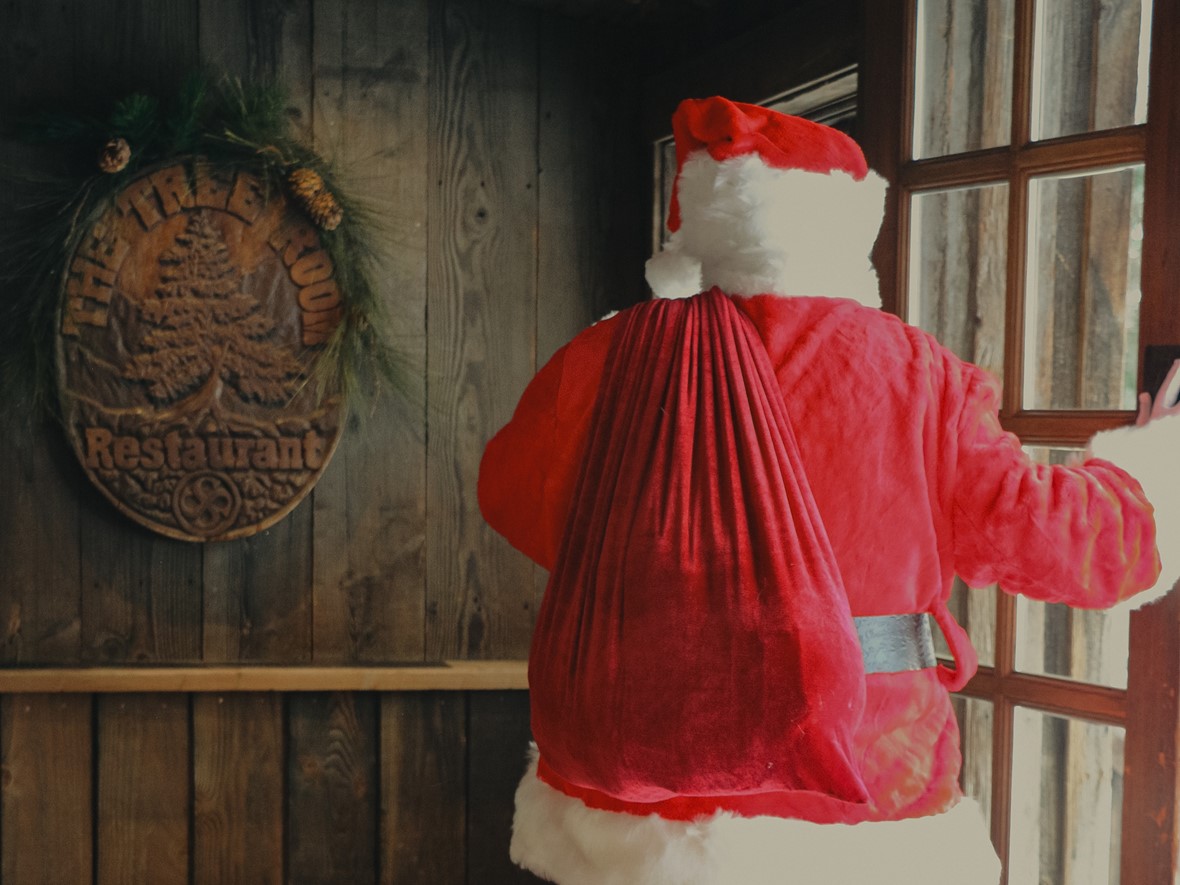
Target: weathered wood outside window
{"type": "Point", "coordinates": [1029, 230]}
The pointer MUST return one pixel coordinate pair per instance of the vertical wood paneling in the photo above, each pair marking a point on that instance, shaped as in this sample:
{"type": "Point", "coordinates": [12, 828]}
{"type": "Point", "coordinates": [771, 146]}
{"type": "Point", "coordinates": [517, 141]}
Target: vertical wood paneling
{"type": "Point", "coordinates": [370, 506]}
{"type": "Point", "coordinates": [260, 39]}
{"type": "Point", "coordinates": [124, 46]}
{"type": "Point", "coordinates": [424, 789]}
{"type": "Point", "coordinates": [591, 242]}
{"type": "Point", "coordinates": [332, 790]}
{"type": "Point", "coordinates": [482, 307]}
{"type": "Point", "coordinates": [46, 832]}
{"type": "Point", "coordinates": [256, 601]}
{"type": "Point", "coordinates": [143, 790]}
{"type": "Point", "coordinates": [498, 736]}
{"type": "Point", "coordinates": [40, 607]}
{"type": "Point", "coordinates": [257, 591]}
{"type": "Point", "coordinates": [238, 781]}
{"type": "Point", "coordinates": [140, 592]}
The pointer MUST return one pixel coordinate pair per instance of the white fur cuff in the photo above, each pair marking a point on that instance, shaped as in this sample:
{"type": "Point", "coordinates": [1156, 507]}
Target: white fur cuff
{"type": "Point", "coordinates": [1151, 454]}
{"type": "Point", "coordinates": [559, 838]}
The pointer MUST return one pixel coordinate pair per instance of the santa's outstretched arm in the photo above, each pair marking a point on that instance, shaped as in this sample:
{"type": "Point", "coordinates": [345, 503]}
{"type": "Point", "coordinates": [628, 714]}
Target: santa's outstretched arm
{"type": "Point", "coordinates": [1082, 535]}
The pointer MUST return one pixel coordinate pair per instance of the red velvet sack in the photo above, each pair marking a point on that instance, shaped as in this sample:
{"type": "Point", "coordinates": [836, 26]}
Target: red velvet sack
{"type": "Point", "coordinates": [695, 638]}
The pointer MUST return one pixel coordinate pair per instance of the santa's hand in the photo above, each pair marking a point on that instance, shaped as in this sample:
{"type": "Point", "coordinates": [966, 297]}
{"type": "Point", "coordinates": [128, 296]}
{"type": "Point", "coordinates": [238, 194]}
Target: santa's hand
{"type": "Point", "coordinates": [1168, 392]}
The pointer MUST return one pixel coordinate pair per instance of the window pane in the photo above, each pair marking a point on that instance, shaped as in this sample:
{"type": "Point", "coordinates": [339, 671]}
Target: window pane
{"type": "Point", "coordinates": [975, 737]}
{"type": "Point", "coordinates": [958, 250]}
{"type": "Point", "coordinates": [975, 610]}
{"type": "Point", "coordinates": [1091, 66]}
{"type": "Point", "coordinates": [962, 76]}
{"type": "Point", "coordinates": [1067, 798]}
{"type": "Point", "coordinates": [1056, 640]}
{"type": "Point", "coordinates": [1082, 322]}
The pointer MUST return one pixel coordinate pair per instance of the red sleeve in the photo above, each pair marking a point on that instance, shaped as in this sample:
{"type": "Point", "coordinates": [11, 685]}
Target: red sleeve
{"type": "Point", "coordinates": [528, 471]}
{"type": "Point", "coordinates": [1080, 535]}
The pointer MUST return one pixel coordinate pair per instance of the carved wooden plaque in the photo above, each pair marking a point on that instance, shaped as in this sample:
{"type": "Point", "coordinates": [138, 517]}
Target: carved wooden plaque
{"type": "Point", "coordinates": [191, 312]}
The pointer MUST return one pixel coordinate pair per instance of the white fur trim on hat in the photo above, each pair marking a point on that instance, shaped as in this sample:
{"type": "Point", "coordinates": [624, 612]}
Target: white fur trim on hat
{"type": "Point", "coordinates": [761, 230]}
{"type": "Point", "coordinates": [561, 839]}
{"type": "Point", "coordinates": [1149, 453]}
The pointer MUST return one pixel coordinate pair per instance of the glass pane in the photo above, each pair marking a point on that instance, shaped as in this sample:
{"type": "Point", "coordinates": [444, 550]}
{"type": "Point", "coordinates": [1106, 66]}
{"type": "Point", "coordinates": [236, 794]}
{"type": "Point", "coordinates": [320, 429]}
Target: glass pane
{"type": "Point", "coordinates": [1091, 66]}
{"type": "Point", "coordinates": [1082, 320]}
{"type": "Point", "coordinates": [962, 76]}
{"type": "Point", "coordinates": [958, 251]}
{"type": "Point", "coordinates": [975, 610]}
{"type": "Point", "coordinates": [975, 737]}
{"type": "Point", "coordinates": [1067, 799]}
{"type": "Point", "coordinates": [1056, 640]}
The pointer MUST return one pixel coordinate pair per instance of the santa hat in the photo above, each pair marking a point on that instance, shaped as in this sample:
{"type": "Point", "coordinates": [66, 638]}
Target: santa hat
{"type": "Point", "coordinates": [765, 202]}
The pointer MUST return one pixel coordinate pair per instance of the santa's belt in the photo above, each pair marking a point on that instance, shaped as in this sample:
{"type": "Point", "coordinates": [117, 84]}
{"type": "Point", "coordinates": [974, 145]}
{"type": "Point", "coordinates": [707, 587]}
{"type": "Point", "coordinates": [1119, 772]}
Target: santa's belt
{"type": "Point", "coordinates": [895, 643]}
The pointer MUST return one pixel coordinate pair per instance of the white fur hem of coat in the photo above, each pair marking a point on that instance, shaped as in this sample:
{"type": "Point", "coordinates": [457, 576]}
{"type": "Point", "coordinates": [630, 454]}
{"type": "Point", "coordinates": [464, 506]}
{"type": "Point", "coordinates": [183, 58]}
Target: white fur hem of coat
{"type": "Point", "coordinates": [1148, 453]}
{"type": "Point", "coordinates": [560, 839]}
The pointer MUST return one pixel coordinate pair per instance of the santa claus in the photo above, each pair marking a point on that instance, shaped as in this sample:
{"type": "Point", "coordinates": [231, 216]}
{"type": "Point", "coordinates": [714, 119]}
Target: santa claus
{"type": "Point", "coordinates": [752, 501]}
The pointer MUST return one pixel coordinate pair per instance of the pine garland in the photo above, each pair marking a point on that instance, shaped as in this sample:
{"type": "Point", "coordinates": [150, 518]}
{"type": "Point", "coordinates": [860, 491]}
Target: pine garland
{"type": "Point", "coordinates": [233, 126]}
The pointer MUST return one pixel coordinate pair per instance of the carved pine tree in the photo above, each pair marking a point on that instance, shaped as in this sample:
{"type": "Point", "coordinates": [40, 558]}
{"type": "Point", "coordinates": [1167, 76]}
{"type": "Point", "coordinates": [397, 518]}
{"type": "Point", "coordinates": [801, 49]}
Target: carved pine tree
{"type": "Point", "coordinates": [205, 333]}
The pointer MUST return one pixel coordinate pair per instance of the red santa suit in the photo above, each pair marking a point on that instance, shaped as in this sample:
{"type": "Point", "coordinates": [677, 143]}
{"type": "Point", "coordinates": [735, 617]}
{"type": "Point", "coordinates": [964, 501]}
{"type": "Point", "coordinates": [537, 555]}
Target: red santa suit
{"type": "Point", "coordinates": [900, 449]}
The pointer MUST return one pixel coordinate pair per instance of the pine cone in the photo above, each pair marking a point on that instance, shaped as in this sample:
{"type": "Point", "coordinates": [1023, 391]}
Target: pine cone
{"type": "Point", "coordinates": [325, 211]}
{"type": "Point", "coordinates": [304, 183]}
{"type": "Point", "coordinates": [114, 156]}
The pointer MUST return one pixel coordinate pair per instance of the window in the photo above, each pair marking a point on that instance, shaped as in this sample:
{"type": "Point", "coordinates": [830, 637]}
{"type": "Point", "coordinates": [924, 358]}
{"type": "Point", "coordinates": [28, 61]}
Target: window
{"type": "Point", "coordinates": [1029, 230]}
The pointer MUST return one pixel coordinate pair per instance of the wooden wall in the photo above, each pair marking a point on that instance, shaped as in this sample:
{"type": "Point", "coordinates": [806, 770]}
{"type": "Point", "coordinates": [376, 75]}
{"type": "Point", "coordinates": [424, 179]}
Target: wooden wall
{"type": "Point", "coordinates": [500, 144]}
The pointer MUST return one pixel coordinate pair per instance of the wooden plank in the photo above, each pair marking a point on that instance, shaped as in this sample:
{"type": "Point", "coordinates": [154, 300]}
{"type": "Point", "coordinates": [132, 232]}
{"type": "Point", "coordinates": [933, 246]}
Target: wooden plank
{"type": "Point", "coordinates": [141, 593]}
{"type": "Point", "coordinates": [45, 765]}
{"type": "Point", "coordinates": [332, 790]}
{"type": "Point", "coordinates": [259, 40]}
{"type": "Point", "coordinates": [238, 789]}
{"type": "Point", "coordinates": [40, 616]}
{"type": "Point", "coordinates": [452, 676]}
{"type": "Point", "coordinates": [498, 738]}
{"type": "Point", "coordinates": [40, 604]}
{"type": "Point", "coordinates": [423, 789]}
{"type": "Point", "coordinates": [256, 595]}
{"type": "Point", "coordinates": [591, 238]}
{"type": "Point", "coordinates": [125, 46]}
{"type": "Point", "coordinates": [482, 307]}
{"type": "Point", "coordinates": [143, 790]}
{"type": "Point", "coordinates": [370, 509]}
{"type": "Point", "coordinates": [257, 591]}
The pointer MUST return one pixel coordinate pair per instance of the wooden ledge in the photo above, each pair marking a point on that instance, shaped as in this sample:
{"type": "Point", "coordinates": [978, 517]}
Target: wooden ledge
{"type": "Point", "coordinates": [447, 676]}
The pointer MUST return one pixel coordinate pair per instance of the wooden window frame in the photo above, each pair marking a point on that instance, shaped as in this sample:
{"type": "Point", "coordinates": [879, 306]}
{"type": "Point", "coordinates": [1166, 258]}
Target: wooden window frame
{"type": "Point", "coordinates": [1149, 708]}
